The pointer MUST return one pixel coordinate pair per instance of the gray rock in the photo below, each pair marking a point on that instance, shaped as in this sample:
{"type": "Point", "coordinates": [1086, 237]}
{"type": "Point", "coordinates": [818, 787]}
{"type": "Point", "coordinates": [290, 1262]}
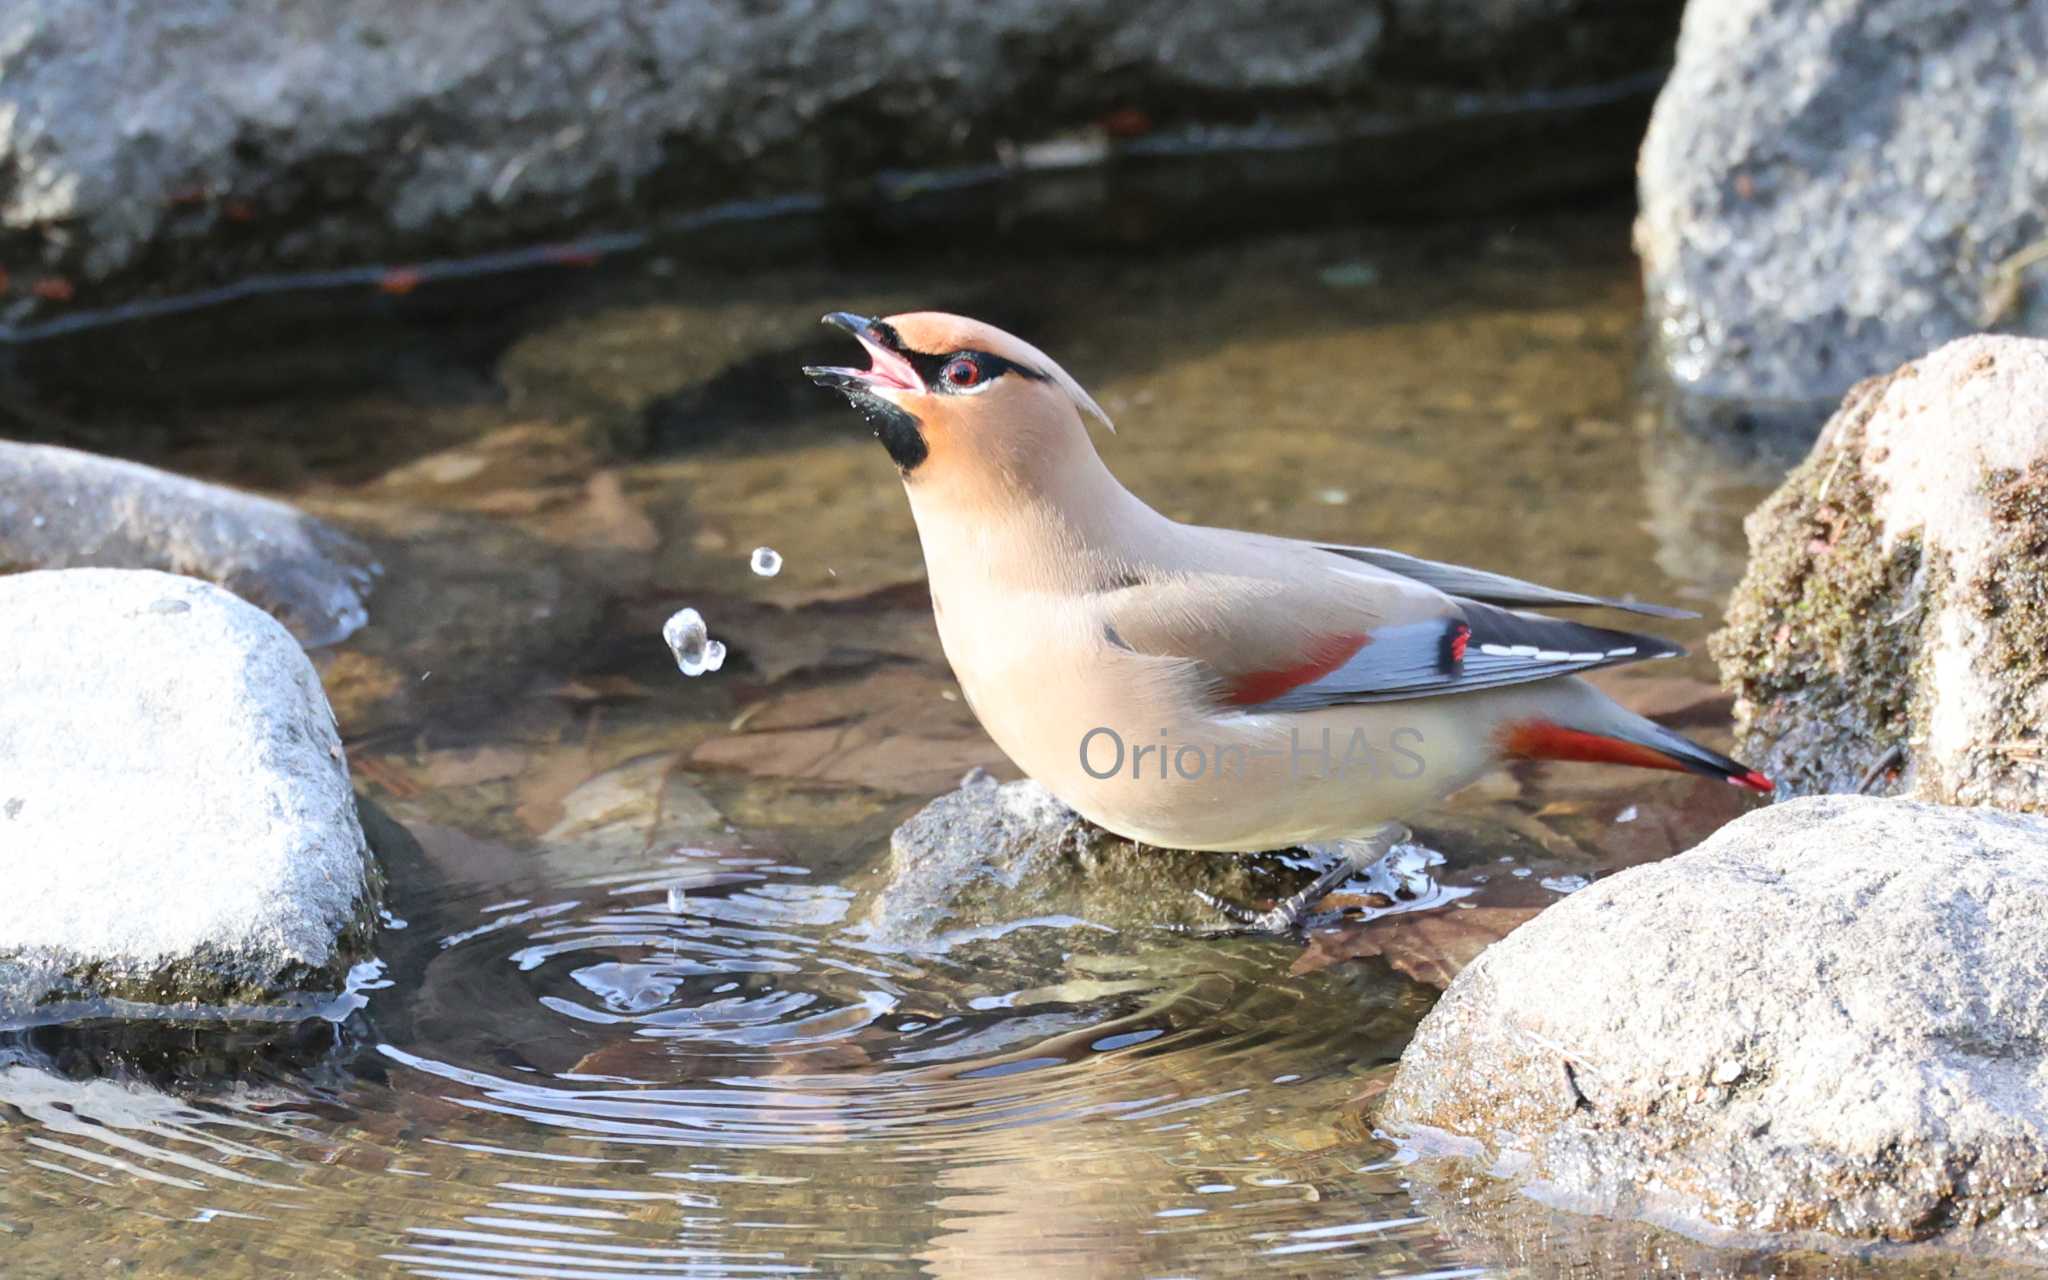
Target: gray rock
{"type": "Point", "coordinates": [176, 822]}
{"type": "Point", "coordinates": [989, 859]}
{"type": "Point", "coordinates": [62, 509]}
{"type": "Point", "coordinates": [992, 857]}
{"type": "Point", "coordinates": [1831, 190]}
{"type": "Point", "coordinates": [1851, 1050]}
{"type": "Point", "coordinates": [1896, 599]}
{"type": "Point", "coordinates": [209, 139]}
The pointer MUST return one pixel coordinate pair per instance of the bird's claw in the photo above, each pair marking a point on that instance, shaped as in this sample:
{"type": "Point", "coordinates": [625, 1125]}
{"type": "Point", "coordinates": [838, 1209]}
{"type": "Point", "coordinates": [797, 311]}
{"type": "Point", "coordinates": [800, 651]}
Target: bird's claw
{"type": "Point", "coordinates": [1289, 917]}
{"type": "Point", "coordinates": [1285, 919]}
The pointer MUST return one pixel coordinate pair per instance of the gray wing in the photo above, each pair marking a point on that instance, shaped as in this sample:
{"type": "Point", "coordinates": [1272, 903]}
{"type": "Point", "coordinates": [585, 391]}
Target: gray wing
{"type": "Point", "coordinates": [1491, 588]}
{"type": "Point", "coordinates": [1480, 647]}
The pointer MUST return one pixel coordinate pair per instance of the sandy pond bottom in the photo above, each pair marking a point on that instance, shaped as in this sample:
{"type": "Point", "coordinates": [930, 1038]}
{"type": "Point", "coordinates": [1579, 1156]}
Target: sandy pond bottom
{"type": "Point", "coordinates": [626, 1021]}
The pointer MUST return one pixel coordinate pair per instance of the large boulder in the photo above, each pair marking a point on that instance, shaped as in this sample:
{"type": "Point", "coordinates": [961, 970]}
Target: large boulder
{"type": "Point", "coordinates": [63, 509]}
{"type": "Point", "coordinates": [176, 821]}
{"type": "Point", "coordinates": [208, 139]}
{"type": "Point", "coordinates": [1894, 617]}
{"type": "Point", "coordinates": [1827, 1020]}
{"type": "Point", "coordinates": [1829, 190]}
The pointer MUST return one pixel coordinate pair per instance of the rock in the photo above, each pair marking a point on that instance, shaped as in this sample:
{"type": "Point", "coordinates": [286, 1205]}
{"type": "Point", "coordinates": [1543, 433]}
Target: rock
{"type": "Point", "coordinates": [1851, 1052]}
{"type": "Point", "coordinates": [1895, 598]}
{"type": "Point", "coordinates": [1830, 191]}
{"type": "Point", "coordinates": [1493, 1226]}
{"type": "Point", "coordinates": [62, 509]}
{"type": "Point", "coordinates": [217, 138]}
{"type": "Point", "coordinates": [176, 823]}
{"type": "Point", "coordinates": [990, 856]}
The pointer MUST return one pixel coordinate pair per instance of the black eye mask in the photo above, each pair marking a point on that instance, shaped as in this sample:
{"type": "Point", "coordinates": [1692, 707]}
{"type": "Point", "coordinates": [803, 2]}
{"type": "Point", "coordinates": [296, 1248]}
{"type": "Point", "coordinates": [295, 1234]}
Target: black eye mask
{"type": "Point", "coordinates": [987, 369]}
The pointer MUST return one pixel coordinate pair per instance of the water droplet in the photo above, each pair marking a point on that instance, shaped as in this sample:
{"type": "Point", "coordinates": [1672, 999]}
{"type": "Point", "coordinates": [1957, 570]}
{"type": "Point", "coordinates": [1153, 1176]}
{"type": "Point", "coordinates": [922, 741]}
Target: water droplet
{"type": "Point", "coordinates": [695, 651]}
{"type": "Point", "coordinates": [767, 561]}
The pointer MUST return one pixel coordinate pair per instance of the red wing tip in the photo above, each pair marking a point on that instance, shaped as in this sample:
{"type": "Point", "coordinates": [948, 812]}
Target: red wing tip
{"type": "Point", "coordinates": [1753, 781]}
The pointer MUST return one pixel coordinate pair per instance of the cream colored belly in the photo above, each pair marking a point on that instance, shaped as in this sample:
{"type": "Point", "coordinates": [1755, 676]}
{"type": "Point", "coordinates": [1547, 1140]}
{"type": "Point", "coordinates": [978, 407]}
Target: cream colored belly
{"type": "Point", "coordinates": [1124, 740]}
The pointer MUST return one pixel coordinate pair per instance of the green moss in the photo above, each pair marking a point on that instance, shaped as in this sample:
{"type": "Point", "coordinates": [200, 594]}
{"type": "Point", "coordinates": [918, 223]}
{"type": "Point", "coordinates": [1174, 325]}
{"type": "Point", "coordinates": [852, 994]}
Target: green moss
{"type": "Point", "coordinates": [2011, 598]}
{"type": "Point", "coordinates": [1824, 631]}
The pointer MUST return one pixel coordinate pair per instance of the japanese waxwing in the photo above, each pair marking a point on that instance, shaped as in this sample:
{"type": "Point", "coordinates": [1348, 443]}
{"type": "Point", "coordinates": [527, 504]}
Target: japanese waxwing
{"type": "Point", "coordinates": [1202, 688]}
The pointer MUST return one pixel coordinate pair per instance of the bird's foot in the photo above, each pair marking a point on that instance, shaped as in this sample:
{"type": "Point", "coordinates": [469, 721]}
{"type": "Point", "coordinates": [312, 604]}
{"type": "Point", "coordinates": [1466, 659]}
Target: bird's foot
{"type": "Point", "coordinates": [1287, 918]}
{"type": "Point", "coordinates": [1291, 916]}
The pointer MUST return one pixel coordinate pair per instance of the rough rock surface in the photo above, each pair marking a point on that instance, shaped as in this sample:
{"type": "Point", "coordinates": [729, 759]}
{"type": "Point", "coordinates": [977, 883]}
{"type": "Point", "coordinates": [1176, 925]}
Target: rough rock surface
{"type": "Point", "coordinates": [1897, 592]}
{"type": "Point", "coordinates": [63, 509]}
{"type": "Point", "coordinates": [1827, 1019]}
{"type": "Point", "coordinates": [176, 821]}
{"type": "Point", "coordinates": [228, 136]}
{"type": "Point", "coordinates": [989, 856]}
{"type": "Point", "coordinates": [1830, 190]}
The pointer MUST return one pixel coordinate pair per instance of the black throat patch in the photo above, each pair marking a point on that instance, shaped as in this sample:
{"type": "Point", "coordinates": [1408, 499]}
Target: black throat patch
{"type": "Point", "coordinates": [898, 430]}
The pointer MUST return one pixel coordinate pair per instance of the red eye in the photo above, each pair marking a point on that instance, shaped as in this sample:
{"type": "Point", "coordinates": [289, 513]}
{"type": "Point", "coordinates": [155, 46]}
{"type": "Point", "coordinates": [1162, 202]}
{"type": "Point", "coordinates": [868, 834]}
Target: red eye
{"type": "Point", "coordinates": [962, 372]}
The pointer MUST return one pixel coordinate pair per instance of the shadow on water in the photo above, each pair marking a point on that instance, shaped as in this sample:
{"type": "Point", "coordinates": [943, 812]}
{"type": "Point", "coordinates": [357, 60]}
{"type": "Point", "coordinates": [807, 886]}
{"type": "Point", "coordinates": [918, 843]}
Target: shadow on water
{"type": "Point", "coordinates": [629, 1019]}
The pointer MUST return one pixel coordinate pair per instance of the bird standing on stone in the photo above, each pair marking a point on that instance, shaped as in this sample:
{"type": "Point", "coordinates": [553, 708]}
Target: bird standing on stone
{"type": "Point", "coordinates": [1202, 688]}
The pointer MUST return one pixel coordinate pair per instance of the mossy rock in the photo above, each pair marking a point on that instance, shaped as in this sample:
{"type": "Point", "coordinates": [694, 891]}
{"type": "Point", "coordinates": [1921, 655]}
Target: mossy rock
{"type": "Point", "coordinates": [1892, 628]}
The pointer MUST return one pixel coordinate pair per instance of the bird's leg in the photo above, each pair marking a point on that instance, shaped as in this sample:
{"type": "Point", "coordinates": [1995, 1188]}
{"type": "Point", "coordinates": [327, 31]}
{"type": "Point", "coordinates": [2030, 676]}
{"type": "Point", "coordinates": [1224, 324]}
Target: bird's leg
{"type": "Point", "coordinates": [1286, 917]}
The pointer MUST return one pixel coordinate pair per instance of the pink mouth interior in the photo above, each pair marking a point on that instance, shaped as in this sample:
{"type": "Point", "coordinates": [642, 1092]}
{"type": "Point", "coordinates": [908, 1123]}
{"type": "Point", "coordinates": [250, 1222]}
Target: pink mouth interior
{"type": "Point", "coordinates": [891, 370]}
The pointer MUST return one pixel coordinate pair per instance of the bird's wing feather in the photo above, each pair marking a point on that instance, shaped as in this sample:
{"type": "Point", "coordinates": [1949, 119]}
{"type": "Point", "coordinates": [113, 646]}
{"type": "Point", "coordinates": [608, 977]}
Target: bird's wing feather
{"type": "Point", "coordinates": [1481, 647]}
{"type": "Point", "coordinates": [1491, 588]}
{"type": "Point", "coordinates": [1276, 626]}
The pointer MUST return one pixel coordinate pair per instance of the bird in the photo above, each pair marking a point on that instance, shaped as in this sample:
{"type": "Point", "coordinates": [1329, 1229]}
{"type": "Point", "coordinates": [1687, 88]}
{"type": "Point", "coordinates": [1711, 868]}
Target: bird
{"type": "Point", "coordinates": [1202, 688]}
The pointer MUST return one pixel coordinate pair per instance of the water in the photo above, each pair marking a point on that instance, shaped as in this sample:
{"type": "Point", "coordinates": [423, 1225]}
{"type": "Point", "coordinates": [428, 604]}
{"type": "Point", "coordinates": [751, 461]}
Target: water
{"type": "Point", "coordinates": [625, 1019]}
{"type": "Point", "coordinates": [690, 643]}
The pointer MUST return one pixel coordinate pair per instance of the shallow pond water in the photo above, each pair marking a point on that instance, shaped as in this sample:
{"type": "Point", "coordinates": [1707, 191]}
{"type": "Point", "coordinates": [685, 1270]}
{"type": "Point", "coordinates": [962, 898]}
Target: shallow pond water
{"type": "Point", "coordinates": [626, 1018]}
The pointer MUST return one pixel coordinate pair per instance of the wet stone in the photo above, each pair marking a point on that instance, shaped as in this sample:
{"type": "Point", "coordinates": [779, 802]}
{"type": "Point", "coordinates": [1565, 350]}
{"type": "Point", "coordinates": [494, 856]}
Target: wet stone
{"type": "Point", "coordinates": [1781, 265]}
{"type": "Point", "coordinates": [990, 857]}
{"type": "Point", "coordinates": [1893, 619]}
{"type": "Point", "coordinates": [141, 159]}
{"type": "Point", "coordinates": [179, 829]}
{"type": "Point", "coordinates": [1849, 1053]}
{"type": "Point", "coordinates": [63, 509]}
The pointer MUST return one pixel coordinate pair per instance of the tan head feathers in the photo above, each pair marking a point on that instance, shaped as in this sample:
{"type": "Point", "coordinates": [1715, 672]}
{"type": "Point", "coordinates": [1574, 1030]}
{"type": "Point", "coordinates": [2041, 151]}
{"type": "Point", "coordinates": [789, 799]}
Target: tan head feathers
{"type": "Point", "coordinates": [940, 333]}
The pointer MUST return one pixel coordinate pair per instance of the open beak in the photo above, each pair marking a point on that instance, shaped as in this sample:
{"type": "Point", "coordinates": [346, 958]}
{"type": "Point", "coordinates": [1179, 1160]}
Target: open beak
{"type": "Point", "coordinates": [891, 372]}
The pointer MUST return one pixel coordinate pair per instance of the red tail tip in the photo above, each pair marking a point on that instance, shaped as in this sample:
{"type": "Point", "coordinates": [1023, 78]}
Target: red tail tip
{"type": "Point", "coordinates": [1754, 781]}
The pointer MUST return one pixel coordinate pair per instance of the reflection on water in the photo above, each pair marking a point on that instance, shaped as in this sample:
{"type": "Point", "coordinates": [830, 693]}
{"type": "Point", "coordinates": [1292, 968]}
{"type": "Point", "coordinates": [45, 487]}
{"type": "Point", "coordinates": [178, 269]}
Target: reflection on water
{"type": "Point", "coordinates": [629, 1023]}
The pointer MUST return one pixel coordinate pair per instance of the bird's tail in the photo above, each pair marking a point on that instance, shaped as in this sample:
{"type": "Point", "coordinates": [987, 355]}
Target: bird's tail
{"type": "Point", "coordinates": [1622, 737]}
